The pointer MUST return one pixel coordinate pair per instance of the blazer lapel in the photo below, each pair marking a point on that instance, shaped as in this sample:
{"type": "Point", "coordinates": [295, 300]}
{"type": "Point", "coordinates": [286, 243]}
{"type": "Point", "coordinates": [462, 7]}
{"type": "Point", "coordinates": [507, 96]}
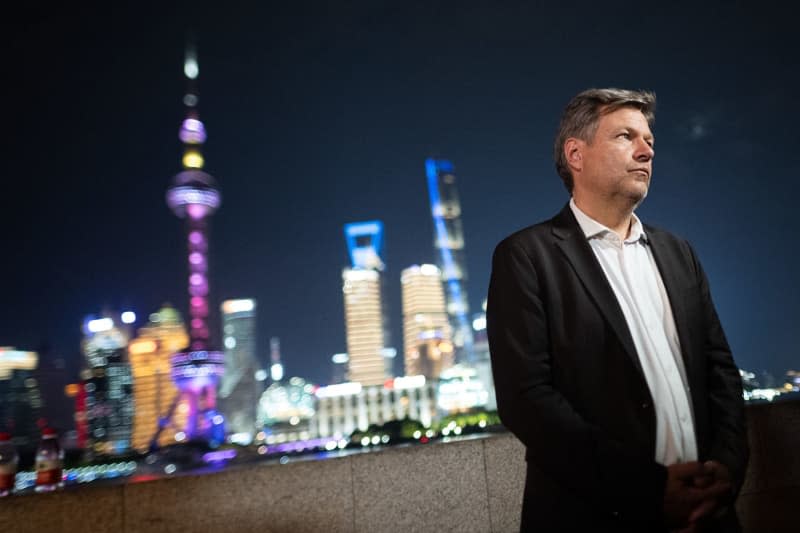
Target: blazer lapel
{"type": "Point", "coordinates": [573, 243]}
{"type": "Point", "coordinates": [670, 268]}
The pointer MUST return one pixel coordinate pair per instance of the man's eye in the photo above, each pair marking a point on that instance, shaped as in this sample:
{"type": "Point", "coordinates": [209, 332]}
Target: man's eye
{"type": "Point", "coordinates": [624, 135]}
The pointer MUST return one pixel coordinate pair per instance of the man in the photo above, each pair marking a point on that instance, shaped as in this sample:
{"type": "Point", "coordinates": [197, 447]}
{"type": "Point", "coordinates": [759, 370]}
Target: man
{"type": "Point", "coordinates": [609, 360]}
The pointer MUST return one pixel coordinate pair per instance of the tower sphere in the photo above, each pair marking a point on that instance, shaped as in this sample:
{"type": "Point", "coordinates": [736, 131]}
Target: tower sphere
{"type": "Point", "coordinates": [193, 193]}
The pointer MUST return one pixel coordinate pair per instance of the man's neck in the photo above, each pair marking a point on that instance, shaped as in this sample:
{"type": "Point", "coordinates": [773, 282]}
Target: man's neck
{"type": "Point", "coordinates": [616, 218]}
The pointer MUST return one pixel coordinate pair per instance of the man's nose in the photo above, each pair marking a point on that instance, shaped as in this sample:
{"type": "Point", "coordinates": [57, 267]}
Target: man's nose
{"type": "Point", "coordinates": [644, 152]}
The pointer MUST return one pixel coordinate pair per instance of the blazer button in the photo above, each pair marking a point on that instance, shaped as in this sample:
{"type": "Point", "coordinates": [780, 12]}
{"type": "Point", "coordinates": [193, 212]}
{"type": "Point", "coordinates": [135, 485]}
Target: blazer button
{"type": "Point", "coordinates": [645, 405]}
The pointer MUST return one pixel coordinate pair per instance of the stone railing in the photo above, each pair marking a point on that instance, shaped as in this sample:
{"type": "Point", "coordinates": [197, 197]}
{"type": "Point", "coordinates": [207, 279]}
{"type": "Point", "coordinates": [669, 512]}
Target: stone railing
{"type": "Point", "coordinates": [466, 485]}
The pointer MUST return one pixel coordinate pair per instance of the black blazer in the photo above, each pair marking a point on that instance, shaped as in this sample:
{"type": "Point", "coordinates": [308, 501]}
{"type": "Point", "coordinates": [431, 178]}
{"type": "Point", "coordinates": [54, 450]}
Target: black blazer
{"type": "Point", "coordinates": [570, 386]}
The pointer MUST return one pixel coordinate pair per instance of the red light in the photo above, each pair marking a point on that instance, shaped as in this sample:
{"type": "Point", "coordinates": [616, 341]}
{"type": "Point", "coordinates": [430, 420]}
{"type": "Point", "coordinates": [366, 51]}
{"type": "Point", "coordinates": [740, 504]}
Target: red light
{"type": "Point", "coordinates": [143, 477]}
{"type": "Point", "coordinates": [423, 440]}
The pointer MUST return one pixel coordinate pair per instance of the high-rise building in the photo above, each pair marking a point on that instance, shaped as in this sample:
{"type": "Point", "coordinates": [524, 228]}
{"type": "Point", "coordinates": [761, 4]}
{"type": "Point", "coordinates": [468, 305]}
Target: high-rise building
{"type": "Point", "coordinates": [108, 385]}
{"type": "Point", "coordinates": [428, 347]}
{"type": "Point", "coordinates": [363, 314]}
{"type": "Point", "coordinates": [158, 418]}
{"type": "Point", "coordinates": [364, 318]}
{"type": "Point", "coordinates": [449, 244]}
{"type": "Point", "coordinates": [239, 391]}
{"type": "Point", "coordinates": [483, 364]}
{"type": "Point", "coordinates": [194, 197]}
{"type": "Point", "coordinates": [52, 377]}
{"type": "Point", "coordinates": [339, 362]}
{"type": "Point", "coordinates": [20, 398]}
{"type": "Point", "coordinates": [275, 365]}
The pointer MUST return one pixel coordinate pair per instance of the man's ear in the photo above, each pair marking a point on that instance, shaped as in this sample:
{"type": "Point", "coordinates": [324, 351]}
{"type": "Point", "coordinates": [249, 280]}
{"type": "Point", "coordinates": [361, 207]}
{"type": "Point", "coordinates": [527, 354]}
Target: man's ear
{"type": "Point", "coordinates": [573, 153]}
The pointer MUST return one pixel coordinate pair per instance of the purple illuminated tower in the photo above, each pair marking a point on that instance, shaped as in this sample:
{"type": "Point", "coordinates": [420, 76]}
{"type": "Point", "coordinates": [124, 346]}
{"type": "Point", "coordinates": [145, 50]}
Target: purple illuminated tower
{"type": "Point", "coordinates": [194, 197]}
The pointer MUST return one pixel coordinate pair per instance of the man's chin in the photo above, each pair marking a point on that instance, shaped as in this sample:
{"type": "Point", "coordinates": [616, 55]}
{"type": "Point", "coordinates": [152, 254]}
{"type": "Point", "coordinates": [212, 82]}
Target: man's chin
{"type": "Point", "coordinates": [637, 196]}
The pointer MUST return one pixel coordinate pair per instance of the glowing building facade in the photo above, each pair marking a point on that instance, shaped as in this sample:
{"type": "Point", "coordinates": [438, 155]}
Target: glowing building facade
{"type": "Point", "coordinates": [285, 409]}
{"type": "Point", "coordinates": [20, 399]}
{"type": "Point", "coordinates": [239, 390]}
{"type": "Point", "coordinates": [347, 407]}
{"type": "Point", "coordinates": [108, 385]}
{"type": "Point", "coordinates": [427, 340]}
{"type": "Point", "coordinates": [461, 390]}
{"type": "Point", "coordinates": [368, 363]}
{"type": "Point", "coordinates": [194, 197]}
{"type": "Point", "coordinates": [158, 418]}
{"type": "Point", "coordinates": [449, 245]}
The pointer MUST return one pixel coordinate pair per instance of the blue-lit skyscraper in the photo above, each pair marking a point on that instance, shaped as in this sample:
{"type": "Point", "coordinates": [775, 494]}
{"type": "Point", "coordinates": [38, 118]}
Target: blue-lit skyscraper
{"type": "Point", "coordinates": [194, 197]}
{"type": "Point", "coordinates": [365, 244]}
{"type": "Point", "coordinates": [368, 363]}
{"type": "Point", "coordinates": [448, 241]}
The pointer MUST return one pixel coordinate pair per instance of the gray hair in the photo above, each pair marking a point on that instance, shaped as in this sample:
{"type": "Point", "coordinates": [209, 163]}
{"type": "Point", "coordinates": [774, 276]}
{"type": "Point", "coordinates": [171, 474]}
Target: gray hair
{"type": "Point", "coordinates": [582, 116]}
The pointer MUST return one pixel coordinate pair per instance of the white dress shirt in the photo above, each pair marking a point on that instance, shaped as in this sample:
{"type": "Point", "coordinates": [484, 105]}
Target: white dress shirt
{"type": "Point", "coordinates": [633, 275]}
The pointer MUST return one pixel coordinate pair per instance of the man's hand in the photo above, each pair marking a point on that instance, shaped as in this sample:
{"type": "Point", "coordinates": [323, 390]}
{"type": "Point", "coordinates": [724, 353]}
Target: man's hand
{"type": "Point", "coordinates": [693, 490]}
{"type": "Point", "coordinates": [717, 477]}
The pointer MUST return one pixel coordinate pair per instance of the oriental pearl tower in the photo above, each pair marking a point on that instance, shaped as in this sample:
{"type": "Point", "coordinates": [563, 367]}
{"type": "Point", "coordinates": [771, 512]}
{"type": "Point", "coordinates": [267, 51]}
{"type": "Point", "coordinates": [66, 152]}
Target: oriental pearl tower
{"type": "Point", "coordinates": [194, 197]}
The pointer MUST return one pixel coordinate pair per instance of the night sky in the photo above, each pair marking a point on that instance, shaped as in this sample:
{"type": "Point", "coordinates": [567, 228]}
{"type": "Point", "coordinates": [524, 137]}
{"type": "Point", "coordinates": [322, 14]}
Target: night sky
{"type": "Point", "coordinates": [320, 114]}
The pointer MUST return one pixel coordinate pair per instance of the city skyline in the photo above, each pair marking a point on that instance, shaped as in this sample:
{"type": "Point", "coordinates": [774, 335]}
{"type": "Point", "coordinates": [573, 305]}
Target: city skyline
{"type": "Point", "coordinates": [332, 124]}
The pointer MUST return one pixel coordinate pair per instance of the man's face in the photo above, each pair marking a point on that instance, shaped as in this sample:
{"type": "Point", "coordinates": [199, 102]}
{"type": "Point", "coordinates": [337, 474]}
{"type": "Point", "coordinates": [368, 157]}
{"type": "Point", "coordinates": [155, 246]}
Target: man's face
{"type": "Point", "coordinates": [618, 162]}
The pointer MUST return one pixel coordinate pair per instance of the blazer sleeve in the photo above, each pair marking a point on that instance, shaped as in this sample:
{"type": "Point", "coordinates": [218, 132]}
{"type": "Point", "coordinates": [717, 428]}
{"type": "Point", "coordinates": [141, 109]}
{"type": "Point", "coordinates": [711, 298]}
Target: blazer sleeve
{"type": "Point", "coordinates": [577, 455]}
{"type": "Point", "coordinates": [727, 428]}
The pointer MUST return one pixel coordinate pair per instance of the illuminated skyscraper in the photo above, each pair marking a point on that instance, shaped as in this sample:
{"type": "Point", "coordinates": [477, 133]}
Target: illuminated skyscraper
{"type": "Point", "coordinates": [275, 365]}
{"type": "Point", "coordinates": [239, 391]}
{"type": "Point", "coordinates": [158, 418]}
{"type": "Point", "coordinates": [20, 399]}
{"type": "Point", "coordinates": [194, 196]}
{"type": "Point", "coordinates": [108, 384]}
{"type": "Point", "coordinates": [428, 348]}
{"type": "Point", "coordinates": [449, 244]}
{"type": "Point", "coordinates": [364, 319]}
{"type": "Point", "coordinates": [339, 362]}
{"type": "Point", "coordinates": [483, 365]}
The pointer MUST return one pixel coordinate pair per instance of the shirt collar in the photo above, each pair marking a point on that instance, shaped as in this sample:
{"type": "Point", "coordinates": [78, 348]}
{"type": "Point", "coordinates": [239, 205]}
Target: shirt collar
{"type": "Point", "coordinates": [592, 228]}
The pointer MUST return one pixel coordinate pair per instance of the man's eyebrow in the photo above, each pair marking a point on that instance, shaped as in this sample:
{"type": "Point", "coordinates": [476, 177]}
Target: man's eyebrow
{"type": "Point", "coordinates": [648, 136]}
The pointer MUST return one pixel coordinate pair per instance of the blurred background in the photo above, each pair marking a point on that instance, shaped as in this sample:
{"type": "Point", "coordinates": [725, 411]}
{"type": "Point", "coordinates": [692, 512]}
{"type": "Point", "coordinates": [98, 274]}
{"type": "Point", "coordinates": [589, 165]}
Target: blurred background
{"type": "Point", "coordinates": [320, 115]}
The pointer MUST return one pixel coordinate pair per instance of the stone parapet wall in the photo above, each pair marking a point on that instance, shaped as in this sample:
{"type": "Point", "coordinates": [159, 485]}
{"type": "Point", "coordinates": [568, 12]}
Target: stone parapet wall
{"type": "Point", "coordinates": [466, 485]}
